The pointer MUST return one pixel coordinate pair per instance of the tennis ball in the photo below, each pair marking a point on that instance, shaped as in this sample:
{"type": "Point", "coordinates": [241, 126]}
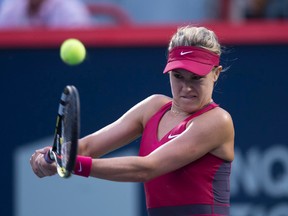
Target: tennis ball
{"type": "Point", "coordinates": [72, 51]}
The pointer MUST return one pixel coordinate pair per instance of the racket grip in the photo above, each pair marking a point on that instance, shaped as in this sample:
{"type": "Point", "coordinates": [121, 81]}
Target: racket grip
{"type": "Point", "coordinates": [47, 157]}
{"type": "Point", "coordinates": [83, 166]}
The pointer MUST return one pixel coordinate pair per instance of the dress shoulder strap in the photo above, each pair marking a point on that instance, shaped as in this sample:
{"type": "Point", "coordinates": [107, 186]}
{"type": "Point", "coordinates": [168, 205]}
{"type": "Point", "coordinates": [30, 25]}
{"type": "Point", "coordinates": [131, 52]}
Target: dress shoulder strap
{"type": "Point", "coordinates": [203, 110]}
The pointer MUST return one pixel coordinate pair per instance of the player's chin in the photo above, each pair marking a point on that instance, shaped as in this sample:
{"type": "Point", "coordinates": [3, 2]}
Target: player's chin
{"type": "Point", "coordinates": [190, 103]}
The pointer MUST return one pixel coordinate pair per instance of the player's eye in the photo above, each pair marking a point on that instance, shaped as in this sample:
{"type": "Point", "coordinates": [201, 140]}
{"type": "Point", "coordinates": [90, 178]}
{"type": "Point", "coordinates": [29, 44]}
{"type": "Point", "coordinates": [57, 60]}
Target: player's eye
{"type": "Point", "coordinates": [197, 77]}
{"type": "Point", "coordinates": [177, 75]}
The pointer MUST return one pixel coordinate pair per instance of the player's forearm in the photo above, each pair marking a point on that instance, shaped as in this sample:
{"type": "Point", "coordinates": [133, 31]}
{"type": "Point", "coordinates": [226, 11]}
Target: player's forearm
{"type": "Point", "coordinates": [84, 147]}
{"type": "Point", "coordinates": [108, 139]}
{"type": "Point", "coordinates": [123, 169]}
{"type": "Point", "coordinates": [95, 145]}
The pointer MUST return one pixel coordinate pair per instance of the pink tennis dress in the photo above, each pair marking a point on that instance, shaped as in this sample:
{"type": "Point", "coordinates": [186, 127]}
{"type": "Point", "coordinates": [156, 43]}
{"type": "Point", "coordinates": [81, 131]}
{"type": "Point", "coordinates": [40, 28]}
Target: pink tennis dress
{"type": "Point", "coordinates": [201, 188]}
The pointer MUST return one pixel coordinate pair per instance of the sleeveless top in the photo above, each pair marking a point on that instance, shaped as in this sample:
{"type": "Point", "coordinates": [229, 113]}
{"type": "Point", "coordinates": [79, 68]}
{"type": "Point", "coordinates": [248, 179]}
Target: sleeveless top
{"type": "Point", "coordinates": [199, 188]}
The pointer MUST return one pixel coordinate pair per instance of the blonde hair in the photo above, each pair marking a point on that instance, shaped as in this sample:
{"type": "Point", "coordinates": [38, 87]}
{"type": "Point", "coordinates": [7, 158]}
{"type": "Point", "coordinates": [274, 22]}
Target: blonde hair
{"type": "Point", "coordinates": [195, 36]}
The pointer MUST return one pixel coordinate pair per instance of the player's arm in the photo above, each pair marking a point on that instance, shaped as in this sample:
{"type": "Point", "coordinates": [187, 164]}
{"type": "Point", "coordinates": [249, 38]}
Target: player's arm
{"type": "Point", "coordinates": [208, 132]}
{"type": "Point", "coordinates": [123, 131]}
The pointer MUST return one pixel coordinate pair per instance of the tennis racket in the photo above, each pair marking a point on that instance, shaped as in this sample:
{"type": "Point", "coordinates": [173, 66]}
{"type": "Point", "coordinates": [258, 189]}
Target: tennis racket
{"type": "Point", "coordinates": [64, 149]}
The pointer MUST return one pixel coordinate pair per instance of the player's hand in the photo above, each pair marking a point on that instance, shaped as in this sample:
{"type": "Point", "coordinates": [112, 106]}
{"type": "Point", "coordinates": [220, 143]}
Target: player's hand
{"type": "Point", "coordinates": [39, 166]}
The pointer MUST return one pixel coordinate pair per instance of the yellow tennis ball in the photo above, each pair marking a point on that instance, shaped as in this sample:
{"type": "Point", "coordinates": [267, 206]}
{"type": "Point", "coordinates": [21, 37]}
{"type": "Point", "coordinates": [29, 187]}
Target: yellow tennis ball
{"type": "Point", "coordinates": [72, 51]}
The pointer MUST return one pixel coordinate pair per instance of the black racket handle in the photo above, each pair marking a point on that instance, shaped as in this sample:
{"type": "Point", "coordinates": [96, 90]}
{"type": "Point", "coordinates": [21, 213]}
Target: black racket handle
{"type": "Point", "coordinates": [47, 157]}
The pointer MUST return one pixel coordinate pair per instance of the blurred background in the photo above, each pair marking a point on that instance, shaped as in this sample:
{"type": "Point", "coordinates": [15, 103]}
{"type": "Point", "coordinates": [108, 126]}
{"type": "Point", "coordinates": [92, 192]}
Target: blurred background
{"type": "Point", "coordinates": [126, 52]}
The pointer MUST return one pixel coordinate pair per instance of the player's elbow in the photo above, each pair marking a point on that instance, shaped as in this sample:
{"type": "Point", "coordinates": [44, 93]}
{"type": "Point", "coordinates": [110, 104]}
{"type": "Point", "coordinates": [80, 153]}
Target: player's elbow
{"type": "Point", "coordinates": [148, 172]}
{"type": "Point", "coordinates": [144, 176]}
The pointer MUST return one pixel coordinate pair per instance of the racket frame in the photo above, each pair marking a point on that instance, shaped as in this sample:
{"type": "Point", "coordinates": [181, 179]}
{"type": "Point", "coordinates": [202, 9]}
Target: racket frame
{"type": "Point", "coordinates": [65, 170]}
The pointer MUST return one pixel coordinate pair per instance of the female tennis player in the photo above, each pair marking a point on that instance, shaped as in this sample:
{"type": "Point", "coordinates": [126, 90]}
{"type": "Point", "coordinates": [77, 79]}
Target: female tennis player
{"type": "Point", "coordinates": [187, 143]}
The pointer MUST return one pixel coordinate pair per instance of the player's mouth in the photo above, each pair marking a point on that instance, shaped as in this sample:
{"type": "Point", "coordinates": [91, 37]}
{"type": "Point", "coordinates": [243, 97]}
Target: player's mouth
{"type": "Point", "coordinates": [189, 96]}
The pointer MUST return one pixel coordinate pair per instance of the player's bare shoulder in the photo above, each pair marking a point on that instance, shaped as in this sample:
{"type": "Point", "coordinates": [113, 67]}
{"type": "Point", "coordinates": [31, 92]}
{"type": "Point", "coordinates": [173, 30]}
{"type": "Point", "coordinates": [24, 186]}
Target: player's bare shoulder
{"type": "Point", "coordinates": [152, 104]}
{"type": "Point", "coordinates": [220, 116]}
{"type": "Point", "coordinates": [224, 117]}
{"type": "Point", "coordinates": [221, 122]}
{"type": "Point", "coordinates": [217, 120]}
{"type": "Point", "coordinates": [224, 133]}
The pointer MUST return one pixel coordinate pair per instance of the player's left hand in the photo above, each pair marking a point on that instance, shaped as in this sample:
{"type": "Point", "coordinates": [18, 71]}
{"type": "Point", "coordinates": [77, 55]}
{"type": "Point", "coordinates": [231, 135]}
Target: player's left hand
{"type": "Point", "coordinates": [39, 166]}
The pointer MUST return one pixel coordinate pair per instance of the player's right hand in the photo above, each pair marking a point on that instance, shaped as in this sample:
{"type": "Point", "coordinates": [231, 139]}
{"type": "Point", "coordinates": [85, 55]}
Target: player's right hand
{"type": "Point", "coordinates": [39, 166]}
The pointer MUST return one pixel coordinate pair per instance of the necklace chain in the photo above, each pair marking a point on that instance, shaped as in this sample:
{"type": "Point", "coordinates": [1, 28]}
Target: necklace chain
{"type": "Point", "coordinates": [177, 113]}
{"type": "Point", "coordinates": [183, 113]}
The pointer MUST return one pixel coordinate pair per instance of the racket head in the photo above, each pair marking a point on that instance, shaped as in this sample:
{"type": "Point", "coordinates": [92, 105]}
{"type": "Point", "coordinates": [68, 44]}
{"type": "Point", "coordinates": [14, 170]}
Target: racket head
{"type": "Point", "coordinates": [67, 131]}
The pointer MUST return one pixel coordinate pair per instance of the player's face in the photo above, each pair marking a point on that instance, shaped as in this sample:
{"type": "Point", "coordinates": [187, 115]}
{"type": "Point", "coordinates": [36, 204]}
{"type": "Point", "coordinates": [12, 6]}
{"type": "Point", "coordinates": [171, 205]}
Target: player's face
{"type": "Point", "coordinates": [190, 91]}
